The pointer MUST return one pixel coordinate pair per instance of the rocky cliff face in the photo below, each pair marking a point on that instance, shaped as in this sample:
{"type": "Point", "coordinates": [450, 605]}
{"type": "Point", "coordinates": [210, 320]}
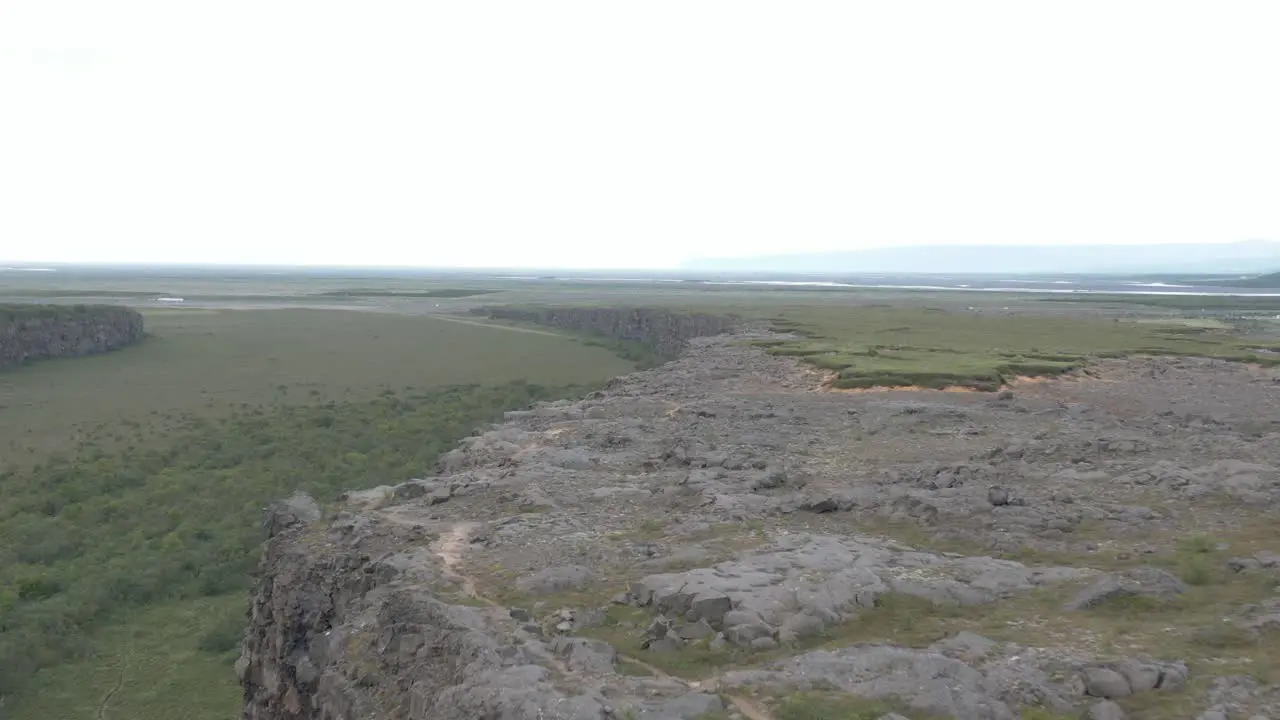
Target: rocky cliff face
{"type": "Point", "coordinates": [719, 536]}
{"type": "Point", "coordinates": [666, 332]}
{"type": "Point", "coordinates": [40, 332]}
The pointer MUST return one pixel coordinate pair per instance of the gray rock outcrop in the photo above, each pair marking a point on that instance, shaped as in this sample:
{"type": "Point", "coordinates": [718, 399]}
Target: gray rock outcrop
{"type": "Point", "coordinates": [29, 333]}
{"type": "Point", "coordinates": [725, 517]}
{"type": "Point", "coordinates": [805, 584]}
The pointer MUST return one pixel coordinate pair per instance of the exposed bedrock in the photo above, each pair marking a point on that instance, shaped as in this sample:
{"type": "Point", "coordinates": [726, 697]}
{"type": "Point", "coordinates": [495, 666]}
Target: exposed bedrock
{"type": "Point", "coordinates": [29, 333]}
{"type": "Point", "coordinates": [726, 519]}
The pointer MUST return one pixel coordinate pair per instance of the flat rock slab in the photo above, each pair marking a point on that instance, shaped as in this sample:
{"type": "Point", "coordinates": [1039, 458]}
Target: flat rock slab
{"type": "Point", "coordinates": [927, 682]}
{"type": "Point", "coordinates": [1138, 582]}
{"type": "Point", "coordinates": [806, 583]}
{"type": "Point", "coordinates": [686, 707]}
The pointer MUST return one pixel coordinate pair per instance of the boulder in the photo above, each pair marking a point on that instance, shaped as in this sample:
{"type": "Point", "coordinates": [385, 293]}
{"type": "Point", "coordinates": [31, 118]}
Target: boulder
{"type": "Point", "coordinates": [998, 496]}
{"type": "Point", "coordinates": [1105, 683]}
{"type": "Point", "coordinates": [711, 608]}
{"type": "Point", "coordinates": [585, 654]}
{"type": "Point", "coordinates": [1138, 582]}
{"type": "Point", "coordinates": [819, 504]}
{"type": "Point", "coordinates": [696, 631]}
{"type": "Point", "coordinates": [298, 509]}
{"type": "Point", "coordinates": [744, 635]}
{"type": "Point", "coordinates": [439, 495]}
{"type": "Point", "coordinates": [1140, 676]}
{"type": "Point", "coordinates": [800, 626]}
{"type": "Point", "coordinates": [665, 645]}
{"type": "Point", "coordinates": [1106, 710]}
{"type": "Point", "coordinates": [966, 646]}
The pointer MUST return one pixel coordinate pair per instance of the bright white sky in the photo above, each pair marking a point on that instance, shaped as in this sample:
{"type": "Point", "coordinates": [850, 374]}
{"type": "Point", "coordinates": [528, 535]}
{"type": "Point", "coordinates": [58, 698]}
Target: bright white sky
{"type": "Point", "coordinates": [638, 134]}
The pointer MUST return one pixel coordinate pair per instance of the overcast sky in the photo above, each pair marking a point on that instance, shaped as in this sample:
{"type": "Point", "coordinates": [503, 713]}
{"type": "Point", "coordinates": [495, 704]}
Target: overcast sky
{"type": "Point", "coordinates": [639, 134]}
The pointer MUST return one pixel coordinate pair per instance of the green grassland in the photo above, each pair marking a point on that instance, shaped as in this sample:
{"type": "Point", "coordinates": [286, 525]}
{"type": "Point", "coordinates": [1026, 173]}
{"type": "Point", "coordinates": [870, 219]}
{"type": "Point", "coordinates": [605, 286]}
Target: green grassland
{"type": "Point", "coordinates": [890, 347]}
{"type": "Point", "coordinates": [134, 481]}
{"type": "Point", "coordinates": [210, 362]}
{"type": "Point", "coordinates": [150, 664]}
{"type": "Point", "coordinates": [142, 287]}
{"type": "Point", "coordinates": [1231, 304]}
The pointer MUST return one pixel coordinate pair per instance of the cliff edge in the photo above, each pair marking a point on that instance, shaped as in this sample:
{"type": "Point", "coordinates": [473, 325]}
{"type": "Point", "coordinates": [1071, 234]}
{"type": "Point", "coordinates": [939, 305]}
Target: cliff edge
{"type": "Point", "coordinates": [665, 332]}
{"type": "Point", "coordinates": [29, 333]}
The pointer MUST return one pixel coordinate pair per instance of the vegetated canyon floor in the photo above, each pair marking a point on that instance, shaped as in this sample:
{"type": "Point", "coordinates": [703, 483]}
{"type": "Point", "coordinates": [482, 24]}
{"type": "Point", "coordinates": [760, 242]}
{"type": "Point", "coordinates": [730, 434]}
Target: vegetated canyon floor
{"type": "Point", "coordinates": [725, 537]}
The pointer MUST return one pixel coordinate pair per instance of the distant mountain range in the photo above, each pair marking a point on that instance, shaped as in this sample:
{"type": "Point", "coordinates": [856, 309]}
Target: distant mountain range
{"type": "Point", "coordinates": [1249, 257]}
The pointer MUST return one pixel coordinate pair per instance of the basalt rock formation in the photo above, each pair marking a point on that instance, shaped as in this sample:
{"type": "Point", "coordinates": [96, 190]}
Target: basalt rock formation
{"type": "Point", "coordinates": [664, 331]}
{"type": "Point", "coordinates": [40, 332]}
{"type": "Point", "coordinates": [722, 537]}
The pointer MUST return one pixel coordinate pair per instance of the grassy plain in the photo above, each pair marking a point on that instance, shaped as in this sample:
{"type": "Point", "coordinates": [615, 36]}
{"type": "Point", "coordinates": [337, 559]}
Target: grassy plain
{"type": "Point", "coordinates": [149, 664]}
{"type": "Point", "coordinates": [941, 347]}
{"type": "Point", "coordinates": [1232, 304]}
{"type": "Point", "coordinates": [210, 362]}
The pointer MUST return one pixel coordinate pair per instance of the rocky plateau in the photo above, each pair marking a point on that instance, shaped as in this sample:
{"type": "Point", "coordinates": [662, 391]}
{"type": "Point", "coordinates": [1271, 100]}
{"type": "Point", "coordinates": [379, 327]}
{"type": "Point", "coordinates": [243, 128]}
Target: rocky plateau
{"type": "Point", "coordinates": [724, 537]}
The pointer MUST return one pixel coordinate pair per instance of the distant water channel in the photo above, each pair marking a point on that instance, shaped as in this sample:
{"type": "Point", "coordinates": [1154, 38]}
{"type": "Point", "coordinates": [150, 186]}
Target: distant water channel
{"type": "Point", "coordinates": [1074, 284]}
{"type": "Point", "coordinates": [1108, 286]}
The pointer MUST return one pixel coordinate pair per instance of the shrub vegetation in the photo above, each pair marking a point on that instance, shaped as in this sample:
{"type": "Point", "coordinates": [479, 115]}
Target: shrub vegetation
{"type": "Point", "coordinates": [868, 347]}
{"type": "Point", "coordinates": [98, 532]}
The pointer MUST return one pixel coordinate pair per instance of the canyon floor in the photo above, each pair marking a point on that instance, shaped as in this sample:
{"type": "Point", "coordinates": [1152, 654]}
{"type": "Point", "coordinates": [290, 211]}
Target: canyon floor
{"type": "Point", "coordinates": [725, 537]}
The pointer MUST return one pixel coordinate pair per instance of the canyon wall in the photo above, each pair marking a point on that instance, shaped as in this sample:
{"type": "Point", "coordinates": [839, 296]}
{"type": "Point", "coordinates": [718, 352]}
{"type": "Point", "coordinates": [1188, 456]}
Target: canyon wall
{"type": "Point", "coordinates": [29, 333]}
{"type": "Point", "coordinates": [664, 331]}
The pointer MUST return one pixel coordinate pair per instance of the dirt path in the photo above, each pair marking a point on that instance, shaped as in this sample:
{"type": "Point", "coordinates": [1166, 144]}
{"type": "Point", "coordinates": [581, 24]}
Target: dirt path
{"type": "Point", "coordinates": [748, 708]}
{"type": "Point", "coordinates": [124, 666]}
{"type": "Point", "coordinates": [450, 547]}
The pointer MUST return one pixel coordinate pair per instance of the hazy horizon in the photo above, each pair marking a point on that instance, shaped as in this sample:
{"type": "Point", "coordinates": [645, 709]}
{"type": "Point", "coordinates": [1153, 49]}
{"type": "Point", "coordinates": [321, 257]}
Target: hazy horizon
{"type": "Point", "coordinates": [575, 135]}
{"type": "Point", "coordinates": [1245, 258]}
